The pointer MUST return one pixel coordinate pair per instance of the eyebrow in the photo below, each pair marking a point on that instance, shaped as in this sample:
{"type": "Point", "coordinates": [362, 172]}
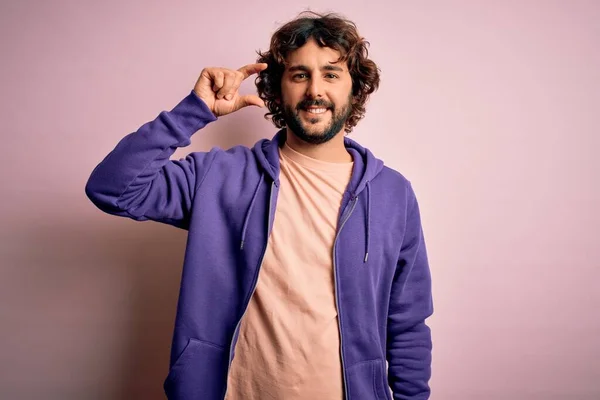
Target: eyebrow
{"type": "Point", "coordinates": [323, 68]}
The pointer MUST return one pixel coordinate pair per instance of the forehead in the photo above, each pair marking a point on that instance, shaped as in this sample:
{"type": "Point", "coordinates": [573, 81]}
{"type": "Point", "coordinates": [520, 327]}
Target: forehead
{"type": "Point", "coordinates": [314, 56]}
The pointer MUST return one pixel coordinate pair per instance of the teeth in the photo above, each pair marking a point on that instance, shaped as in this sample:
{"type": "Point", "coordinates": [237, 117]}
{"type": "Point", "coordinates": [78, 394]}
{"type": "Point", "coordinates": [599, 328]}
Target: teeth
{"type": "Point", "coordinates": [316, 110]}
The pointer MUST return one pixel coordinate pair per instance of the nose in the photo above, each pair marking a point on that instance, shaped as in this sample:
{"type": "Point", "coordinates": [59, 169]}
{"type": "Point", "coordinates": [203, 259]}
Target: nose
{"type": "Point", "coordinates": [314, 89]}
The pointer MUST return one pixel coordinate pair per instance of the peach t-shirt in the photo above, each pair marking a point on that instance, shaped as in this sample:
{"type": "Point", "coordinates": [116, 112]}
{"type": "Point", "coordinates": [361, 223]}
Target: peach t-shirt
{"type": "Point", "coordinates": [289, 344]}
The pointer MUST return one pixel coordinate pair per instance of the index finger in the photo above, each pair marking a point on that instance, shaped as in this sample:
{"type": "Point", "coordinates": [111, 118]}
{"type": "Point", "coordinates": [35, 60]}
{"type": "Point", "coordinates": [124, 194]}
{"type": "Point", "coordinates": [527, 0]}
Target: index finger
{"type": "Point", "coordinates": [250, 69]}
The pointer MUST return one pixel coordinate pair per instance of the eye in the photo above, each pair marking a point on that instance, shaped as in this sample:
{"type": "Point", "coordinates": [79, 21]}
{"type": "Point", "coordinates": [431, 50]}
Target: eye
{"type": "Point", "coordinates": [331, 76]}
{"type": "Point", "coordinates": [299, 76]}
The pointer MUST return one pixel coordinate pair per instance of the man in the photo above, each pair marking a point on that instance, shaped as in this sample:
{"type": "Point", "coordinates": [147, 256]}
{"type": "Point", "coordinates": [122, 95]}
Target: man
{"type": "Point", "coordinates": [305, 258]}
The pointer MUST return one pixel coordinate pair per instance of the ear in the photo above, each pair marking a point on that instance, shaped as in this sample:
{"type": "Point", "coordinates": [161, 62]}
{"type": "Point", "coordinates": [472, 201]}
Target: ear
{"type": "Point", "coordinates": [354, 95]}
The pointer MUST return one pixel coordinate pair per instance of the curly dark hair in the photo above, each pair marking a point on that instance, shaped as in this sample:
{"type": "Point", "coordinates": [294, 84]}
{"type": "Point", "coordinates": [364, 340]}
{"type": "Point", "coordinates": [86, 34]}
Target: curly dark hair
{"type": "Point", "coordinates": [329, 30]}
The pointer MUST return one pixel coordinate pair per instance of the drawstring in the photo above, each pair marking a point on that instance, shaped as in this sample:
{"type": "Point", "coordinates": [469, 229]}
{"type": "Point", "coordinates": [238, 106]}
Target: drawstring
{"type": "Point", "coordinates": [368, 221]}
{"type": "Point", "coordinates": [250, 211]}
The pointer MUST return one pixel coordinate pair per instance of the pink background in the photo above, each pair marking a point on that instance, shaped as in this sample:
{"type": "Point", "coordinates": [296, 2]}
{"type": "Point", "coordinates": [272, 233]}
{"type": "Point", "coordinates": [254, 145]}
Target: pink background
{"type": "Point", "coordinates": [489, 107]}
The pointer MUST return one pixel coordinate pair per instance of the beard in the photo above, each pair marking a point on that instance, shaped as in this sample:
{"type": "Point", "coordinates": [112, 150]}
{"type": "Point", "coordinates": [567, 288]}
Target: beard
{"type": "Point", "coordinates": [303, 132]}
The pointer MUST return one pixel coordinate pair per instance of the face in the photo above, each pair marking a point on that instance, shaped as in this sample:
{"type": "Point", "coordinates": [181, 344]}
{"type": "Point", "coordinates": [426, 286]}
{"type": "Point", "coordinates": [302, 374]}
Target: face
{"type": "Point", "coordinates": [316, 93]}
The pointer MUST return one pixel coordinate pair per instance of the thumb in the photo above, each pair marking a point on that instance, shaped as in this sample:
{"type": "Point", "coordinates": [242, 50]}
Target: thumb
{"type": "Point", "coordinates": [251, 100]}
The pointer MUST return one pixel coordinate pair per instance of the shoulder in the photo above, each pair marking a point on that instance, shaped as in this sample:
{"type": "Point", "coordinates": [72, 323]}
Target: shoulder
{"type": "Point", "coordinates": [393, 180]}
{"type": "Point", "coordinates": [396, 188]}
{"type": "Point", "coordinates": [235, 155]}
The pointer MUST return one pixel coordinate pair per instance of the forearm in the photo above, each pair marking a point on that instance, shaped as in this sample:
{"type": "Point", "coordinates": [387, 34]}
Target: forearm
{"type": "Point", "coordinates": [409, 358]}
{"type": "Point", "coordinates": [139, 157]}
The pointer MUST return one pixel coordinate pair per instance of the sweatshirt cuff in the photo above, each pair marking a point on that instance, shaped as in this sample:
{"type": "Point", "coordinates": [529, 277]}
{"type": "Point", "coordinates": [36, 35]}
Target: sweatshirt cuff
{"type": "Point", "coordinates": [192, 113]}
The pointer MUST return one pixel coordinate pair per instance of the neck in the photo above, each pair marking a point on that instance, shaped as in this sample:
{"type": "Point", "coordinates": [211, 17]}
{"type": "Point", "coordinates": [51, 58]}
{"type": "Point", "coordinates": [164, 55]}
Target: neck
{"type": "Point", "coordinates": [331, 151]}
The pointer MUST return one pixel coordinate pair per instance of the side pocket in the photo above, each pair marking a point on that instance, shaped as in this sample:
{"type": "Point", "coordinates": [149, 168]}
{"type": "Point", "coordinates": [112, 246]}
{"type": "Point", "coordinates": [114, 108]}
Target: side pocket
{"type": "Point", "coordinates": [200, 372]}
{"type": "Point", "coordinates": [366, 380]}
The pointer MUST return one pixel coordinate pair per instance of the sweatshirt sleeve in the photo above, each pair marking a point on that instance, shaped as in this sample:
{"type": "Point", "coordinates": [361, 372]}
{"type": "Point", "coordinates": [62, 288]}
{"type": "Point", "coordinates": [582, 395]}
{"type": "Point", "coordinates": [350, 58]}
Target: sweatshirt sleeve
{"type": "Point", "coordinates": [137, 179]}
{"type": "Point", "coordinates": [409, 342]}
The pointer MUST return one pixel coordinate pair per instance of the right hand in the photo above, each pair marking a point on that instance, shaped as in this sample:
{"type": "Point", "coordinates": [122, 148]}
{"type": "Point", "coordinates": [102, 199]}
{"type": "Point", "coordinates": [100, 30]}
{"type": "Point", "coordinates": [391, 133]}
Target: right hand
{"type": "Point", "coordinates": [218, 88]}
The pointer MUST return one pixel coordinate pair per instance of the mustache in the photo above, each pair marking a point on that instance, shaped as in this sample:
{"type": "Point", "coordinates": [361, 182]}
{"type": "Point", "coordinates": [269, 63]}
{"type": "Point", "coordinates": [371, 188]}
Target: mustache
{"type": "Point", "coordinates": [314, 103]}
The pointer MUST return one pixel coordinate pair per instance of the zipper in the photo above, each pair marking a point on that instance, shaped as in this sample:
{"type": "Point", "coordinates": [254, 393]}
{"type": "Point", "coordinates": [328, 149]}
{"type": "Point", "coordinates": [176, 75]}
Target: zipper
{"type": "Point", "coordinates": [337, 302]}
{"type": "Point", "coordinates": [254, 284]}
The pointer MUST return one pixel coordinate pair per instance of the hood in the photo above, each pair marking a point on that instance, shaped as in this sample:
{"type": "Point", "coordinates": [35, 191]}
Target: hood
{"type": "Point", "coordinates": [366, 166]}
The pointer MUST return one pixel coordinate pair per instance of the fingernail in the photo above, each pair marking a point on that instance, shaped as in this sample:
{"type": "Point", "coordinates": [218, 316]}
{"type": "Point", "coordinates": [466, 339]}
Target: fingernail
{"type": "Point", "coordinates": [228, 97]}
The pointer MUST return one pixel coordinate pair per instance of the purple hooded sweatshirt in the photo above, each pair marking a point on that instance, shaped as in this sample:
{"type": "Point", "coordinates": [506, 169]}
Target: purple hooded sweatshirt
{"type": "Point", "coordinates": [226, 199]}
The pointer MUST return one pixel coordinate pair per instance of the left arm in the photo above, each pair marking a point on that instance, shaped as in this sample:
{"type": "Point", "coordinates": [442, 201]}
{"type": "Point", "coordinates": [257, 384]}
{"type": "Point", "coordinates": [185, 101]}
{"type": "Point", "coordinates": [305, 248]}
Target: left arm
{"type": "Point", "coordinates": [409, 338]}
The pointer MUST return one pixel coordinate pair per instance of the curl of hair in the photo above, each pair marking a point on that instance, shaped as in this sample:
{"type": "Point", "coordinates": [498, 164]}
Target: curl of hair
{"type": "Point", "coordinates": [329, 30]}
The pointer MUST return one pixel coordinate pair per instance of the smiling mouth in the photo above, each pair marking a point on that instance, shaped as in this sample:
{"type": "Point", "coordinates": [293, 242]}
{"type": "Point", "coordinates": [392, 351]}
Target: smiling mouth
{"type": "Point", "coordinates": [316, 111]}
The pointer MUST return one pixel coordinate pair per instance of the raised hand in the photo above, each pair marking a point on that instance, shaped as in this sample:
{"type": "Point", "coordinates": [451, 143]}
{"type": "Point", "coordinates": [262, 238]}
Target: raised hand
{"type": "Point", "coordinates": [218, 88]}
